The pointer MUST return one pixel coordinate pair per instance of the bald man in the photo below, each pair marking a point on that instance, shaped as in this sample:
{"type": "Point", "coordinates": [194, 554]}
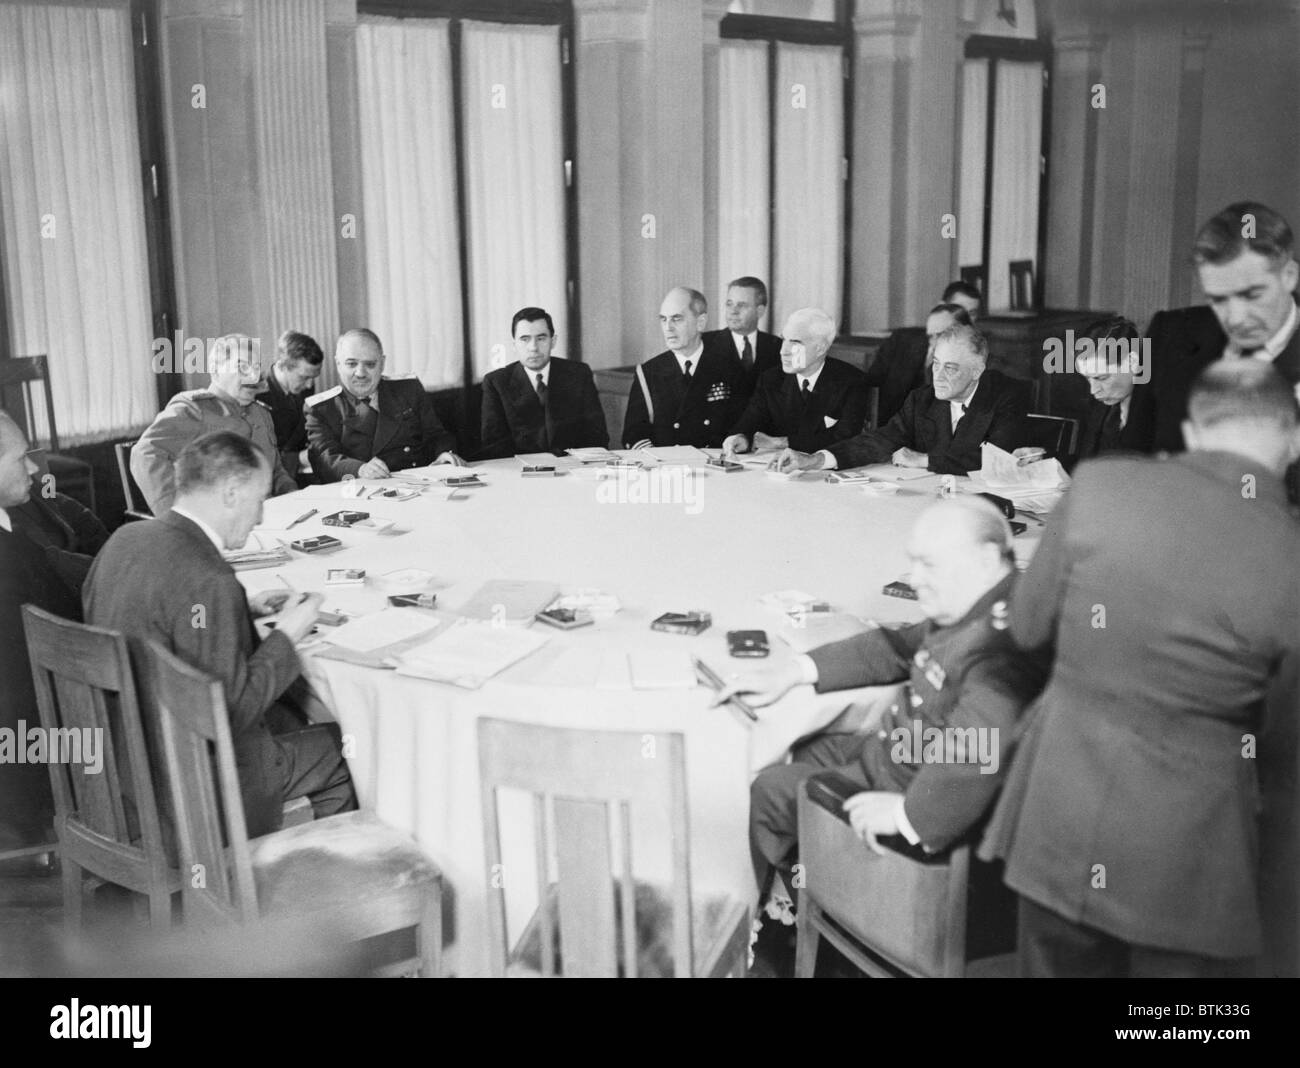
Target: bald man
{"type": "Point", "coordinates": [965, 673]}
{"type": "Point", "coordinates": [370, 426]}
{"type": "Point", "coordinates": [811, 401]}
{"type": "Point", "coordinates": [691, 394]}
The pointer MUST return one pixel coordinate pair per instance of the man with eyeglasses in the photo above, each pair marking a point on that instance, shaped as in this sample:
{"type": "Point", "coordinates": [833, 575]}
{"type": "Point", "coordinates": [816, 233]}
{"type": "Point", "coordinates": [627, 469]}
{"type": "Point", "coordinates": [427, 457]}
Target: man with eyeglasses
{"type": "Point", "coordinates": [229, 403]}
{"type": "Point", "coordinates": [940, 427]}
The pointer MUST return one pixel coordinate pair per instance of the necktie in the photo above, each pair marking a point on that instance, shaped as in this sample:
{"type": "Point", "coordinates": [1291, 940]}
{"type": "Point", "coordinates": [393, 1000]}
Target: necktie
{"type": "Point", "coordinates": [541, 390]}
{"type": "Point", "coordinates": [805, 391]}
{"type": "Point", "coordinates": [960, 416]}
{"type": "Point", "coordinates": [686, 375]}
{"type": "Point", "coordinates": [747, 355]}
{"type": "Point", "coordinates": [545, 441]}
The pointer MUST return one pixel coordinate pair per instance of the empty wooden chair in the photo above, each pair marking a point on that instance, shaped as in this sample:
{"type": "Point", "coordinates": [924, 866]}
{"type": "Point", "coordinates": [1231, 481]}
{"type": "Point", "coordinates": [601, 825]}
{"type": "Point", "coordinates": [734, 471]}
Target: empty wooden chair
{"type": "Point", "coordinates": [597, 919]}
{"type": "Point", "coordinates": [136, 508]}
{"type": "Point", "coordinates": [19, 376]}
{"type": "Point", "coordinates": [898, 915]}
{"type": "Point", "coordinates": [352, 875]}
{"type": "Point", "coordinates": [106, 819]}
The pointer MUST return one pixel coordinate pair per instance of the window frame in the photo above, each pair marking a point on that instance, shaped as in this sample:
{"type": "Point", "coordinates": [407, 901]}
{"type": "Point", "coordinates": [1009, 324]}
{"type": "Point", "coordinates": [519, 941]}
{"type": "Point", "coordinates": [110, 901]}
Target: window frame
{"type": "Point", "coordinates": [507, 12]}
{"type": "Point", "coordinates": [1022, 49]}
{"type": "Point", "coordinates": [774, 30]}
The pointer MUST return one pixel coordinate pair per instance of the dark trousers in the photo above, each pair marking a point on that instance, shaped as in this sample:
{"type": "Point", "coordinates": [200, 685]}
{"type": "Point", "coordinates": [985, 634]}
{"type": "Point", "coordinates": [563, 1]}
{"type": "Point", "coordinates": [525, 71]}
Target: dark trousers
{"type": "Point", "coordinates": [1050, 946]}
{"type": "Point", "coordinates": [774, 798]}
{"type": "Point", "coordinates": [314, 768]}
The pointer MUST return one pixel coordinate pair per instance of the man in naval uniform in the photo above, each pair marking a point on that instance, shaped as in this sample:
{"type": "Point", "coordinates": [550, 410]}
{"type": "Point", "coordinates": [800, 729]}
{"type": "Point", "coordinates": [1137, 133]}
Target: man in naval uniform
{"type": "Point", "coordinates": [229, 403]}
{"type": "Point", "coordinates": [966, 678]}
{"type": "Point", "coordinates": [370, 426]}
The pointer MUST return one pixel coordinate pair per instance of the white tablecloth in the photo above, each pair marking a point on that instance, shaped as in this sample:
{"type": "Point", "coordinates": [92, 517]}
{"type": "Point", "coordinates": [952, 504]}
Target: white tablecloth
{"type": "Point", "coordinates": [411, 742]}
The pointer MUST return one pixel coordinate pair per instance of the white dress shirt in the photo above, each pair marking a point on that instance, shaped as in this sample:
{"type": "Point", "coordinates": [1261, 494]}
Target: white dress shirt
{"type": "Point", "coordinates": [1272, 348]}
{"type": "Point", "coordinates": [692, 357]}
{"type": "Point", "coordinates": [213, 536]}
{"type": "Point", "coordinates": [5, 522]}
{"type": "Point", "coordinates": [957, 408]}
{"type": "Point", "coordinates": [545, 372]}
{"type": "Point", "coordinates": [739, 341]}
{"type": "Point", "coordinates": [810, 379]}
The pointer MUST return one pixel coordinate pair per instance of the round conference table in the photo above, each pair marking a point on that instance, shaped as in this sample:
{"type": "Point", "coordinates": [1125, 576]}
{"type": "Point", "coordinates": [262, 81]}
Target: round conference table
{"type": "Point", "coordinates": [713, 541]}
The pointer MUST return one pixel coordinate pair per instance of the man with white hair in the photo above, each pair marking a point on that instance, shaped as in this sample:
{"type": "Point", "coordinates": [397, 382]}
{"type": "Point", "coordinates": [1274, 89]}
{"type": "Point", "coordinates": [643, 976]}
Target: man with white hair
{"type": "Point", "coordinates": [964, 674]}
{"type": "Point", "coordinates": [940, 427]}
{"type": "Point", "coordinates": [229, 403]}
{"type": "Point", "coordinates": [811, 402]}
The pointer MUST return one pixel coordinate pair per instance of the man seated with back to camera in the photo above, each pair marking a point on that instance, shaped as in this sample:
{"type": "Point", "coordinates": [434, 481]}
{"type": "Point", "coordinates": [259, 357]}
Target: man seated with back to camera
{"type": "Point", "coordinates": [166, 580]}
{"type": "Point", "coordinates": [941, 426]}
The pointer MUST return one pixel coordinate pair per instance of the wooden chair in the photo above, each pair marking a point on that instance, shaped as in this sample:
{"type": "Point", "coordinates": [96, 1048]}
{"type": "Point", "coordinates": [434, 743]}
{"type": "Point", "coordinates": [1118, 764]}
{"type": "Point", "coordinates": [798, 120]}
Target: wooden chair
{"type": "Point", "coordinates": [136, 508]}
{"type": "Point", "coordinates": [896, 915]}
{"type": "Point", "coordinates": [973, 275]}
{"type": "Point", "coordinates": [350, 874]}
{"type": "Point", "coordinates": [579, 780]}
{"type": "Point", "coordinates": [107, 823]}
{"type": "Point", "coordinates": [19, 375]}
{"type": "Point", "coordinates": [1057, 435]}
{"type": "Point", "coordinates": [1022, 284]}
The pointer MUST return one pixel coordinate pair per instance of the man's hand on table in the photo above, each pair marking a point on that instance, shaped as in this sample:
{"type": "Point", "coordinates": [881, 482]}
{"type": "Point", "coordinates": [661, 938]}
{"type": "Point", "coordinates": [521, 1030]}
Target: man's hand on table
{"type": "Point", "coordinates": [791, 461]}
{"type": "Point", "coordinates": [873, 814]}
{"type": "Point", "coordinates": [763, 685]}
{"type": "Point", "coordinates": [296, 620]}
{"type": "Point", "coordinates": [268, 602]}
{"type": "Point", "coordinates": [767, 441]}
{"type": "Point", "coordinates": [735, 444]}
{"type": "Point", "coordinates": [910, 458]}
{"type": "Point", "coordinates": [375, 468]}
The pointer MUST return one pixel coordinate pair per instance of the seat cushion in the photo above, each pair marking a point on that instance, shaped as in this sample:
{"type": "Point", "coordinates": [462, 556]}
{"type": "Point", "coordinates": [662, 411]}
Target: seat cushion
{"type": "Point", "coordinates": [711, 919]}
{"type": "Point", "coordinates": [338, 861]}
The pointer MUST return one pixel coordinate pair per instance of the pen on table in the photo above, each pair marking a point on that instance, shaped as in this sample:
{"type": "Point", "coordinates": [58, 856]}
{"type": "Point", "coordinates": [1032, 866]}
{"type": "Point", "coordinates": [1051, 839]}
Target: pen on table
{"type": "Point", "coordinates": [301, 519]}
{"type": "Point", "coordinates": [714, 680]}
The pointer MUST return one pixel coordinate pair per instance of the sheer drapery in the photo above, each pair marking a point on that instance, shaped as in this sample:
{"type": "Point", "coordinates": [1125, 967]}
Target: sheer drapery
{"type": "Point", "coordinates": [1017, 140]}
{"type": "Point", "coordinates": [408, 177]}
{"type": "Point", "coordinates": [809, 262]}
{"type": "Point", "coordinates": [974, 115]}
{"type": "Point", "coordinates": [744, 137]}
{"type": "Point", "coordinates": [76, 267]}
{"type": "Point", "coordinates": [514, 179]}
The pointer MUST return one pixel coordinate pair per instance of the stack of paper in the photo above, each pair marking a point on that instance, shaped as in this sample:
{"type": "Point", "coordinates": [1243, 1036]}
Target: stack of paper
{"type": "Point", "coordinates": [592, 455]}
{"type": "Point", "coordinates": [469, 656]}
{"type": "Point", "coordinates": [433, 475]}
{"type": "Point", "coordinates": [252, 559]}
{"type": "Point", "coordinates": [382, 629]}
{"type": "Point", "coordinates": [677, 454]}
{"type": "Point", "coordinates": [600, 605]}
{"type": "Point", "coordinates": [1037, 486]}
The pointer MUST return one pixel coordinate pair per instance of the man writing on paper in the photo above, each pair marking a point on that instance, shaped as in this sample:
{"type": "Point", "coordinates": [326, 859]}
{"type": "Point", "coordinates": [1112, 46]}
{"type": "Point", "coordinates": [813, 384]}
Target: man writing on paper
{"type": "Point", "coordinates": [166, 580]}
{"type": "Point", "coordinates": [940, 427]}
{"type": "Point", "coordinates": [811, 401]}
{"type": "Point", "coordinates": [964, 673]}
{"type": "Point", "coordinates": [542, 403]}
{"type": "Point", "coordinates": [370, 426]}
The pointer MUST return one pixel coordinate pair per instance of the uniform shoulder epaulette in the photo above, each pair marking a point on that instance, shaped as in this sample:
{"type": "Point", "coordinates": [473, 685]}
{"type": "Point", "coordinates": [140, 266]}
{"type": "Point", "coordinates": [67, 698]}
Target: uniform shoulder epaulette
{"type": "Point", "coordinates": [398, 378]}
{"type": "Point", "coordinates": [316, 398]}
{"type": "Point", "coordinates": [189, 400]}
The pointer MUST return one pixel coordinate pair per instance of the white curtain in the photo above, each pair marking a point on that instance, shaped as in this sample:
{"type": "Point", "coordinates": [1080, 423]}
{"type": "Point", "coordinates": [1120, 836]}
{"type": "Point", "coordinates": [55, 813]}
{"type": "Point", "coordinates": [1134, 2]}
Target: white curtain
{"type": "Point", "coordinates": [744, 199]}
{"type": "Point", "coordinates": [408, 177]}
{"type": "Point", "coordinates": [809, 262]}
{"type": "Point", "coordinates": [1017, 138]}
{"type": "Point", "coordinates": [72, 214]}
{"type": "Point", "coordinates": [974, 131]}
{"type": "Point", "coordinates": [514, 179]}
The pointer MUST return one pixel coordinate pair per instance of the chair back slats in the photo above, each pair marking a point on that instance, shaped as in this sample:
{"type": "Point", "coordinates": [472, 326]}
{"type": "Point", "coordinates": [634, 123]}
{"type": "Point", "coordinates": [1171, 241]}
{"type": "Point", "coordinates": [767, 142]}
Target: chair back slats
{"type": "Point", "coordinates": [136, 508]}
{"type": "Point", "coordinates": [588, 940]}
{"type": "Point", "coordinates": [497, 935]}
{"type": "Point", "coordinates": [542, 862]}
{"type": "Point", "coordinates": [589, 780]}
{"type": "Point", "coordinates": [22, 372]}
{"type": "Point", "coordinates": [216, 869]}
{"type": "Point", "coordinates": [84, 683]}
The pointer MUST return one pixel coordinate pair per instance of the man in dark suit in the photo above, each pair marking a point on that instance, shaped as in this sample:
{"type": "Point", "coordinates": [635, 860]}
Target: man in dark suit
{"type": "Point", "coordinates": [195, 607]}
{"type": "Point", "coordinates": [542, 403]}
{"type": "Point", "coordinates": [1111, 370]}
{"type": "Point", "coordinates": [902, 364]}
{"type": "Point", "coordinates": [370, 426]}
{"type": "Point", "coordinates": [298, 361]}
{"type": "Point", "coordinates": [757, 350]}
{"type": "Point", "coordinates": [967, 681]}
{"type": "Point", "coordinates": [1129, 818]}
{"type": "Point", "coordinates": [810, 401]}
{"type": "Point", "coordinates": [691, 394]}
{"type": "Point", "coordinates": [46, 545]}
{"type": "Point", "coordinates": [1245, 262]}
{"type": "Point", "coordinates": [940, 427]}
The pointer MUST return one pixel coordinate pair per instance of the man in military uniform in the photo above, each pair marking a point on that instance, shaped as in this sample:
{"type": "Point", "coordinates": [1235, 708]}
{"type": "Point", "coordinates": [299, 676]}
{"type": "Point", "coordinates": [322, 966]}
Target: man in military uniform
{"type": "Point", "coordinates": [967, 681]}
{"type": "Point", "coordinates": [370, 426]}
{"type": "Point", "coordinates": [229, 403]}
{"type": "Point", "coordinates": [693, 393]}
{"type": "Point", "coordinates": [298, 361]}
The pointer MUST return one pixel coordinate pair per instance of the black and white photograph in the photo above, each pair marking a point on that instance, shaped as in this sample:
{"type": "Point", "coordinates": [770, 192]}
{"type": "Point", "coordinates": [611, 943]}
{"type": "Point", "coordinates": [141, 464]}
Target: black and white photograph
{"type": "Point", "coordinates": [650, 488]}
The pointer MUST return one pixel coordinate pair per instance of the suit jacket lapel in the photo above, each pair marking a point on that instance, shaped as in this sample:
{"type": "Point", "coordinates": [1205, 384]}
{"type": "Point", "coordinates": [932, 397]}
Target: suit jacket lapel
{"type": "Point", "coordinates": [386, 422]}
{"type": "Point", "coordinates": [939, 416]}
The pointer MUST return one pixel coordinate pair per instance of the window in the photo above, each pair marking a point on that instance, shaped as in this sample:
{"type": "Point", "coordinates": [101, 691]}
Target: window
{"type": "Point", "coordinates": [783, 160]}
{"type": "Point", "coordinates": [81, 243]}
{"type": "Point", "coordinates": [466, 179]}
{"type": "Point", "coordinates": [1003, 178]}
